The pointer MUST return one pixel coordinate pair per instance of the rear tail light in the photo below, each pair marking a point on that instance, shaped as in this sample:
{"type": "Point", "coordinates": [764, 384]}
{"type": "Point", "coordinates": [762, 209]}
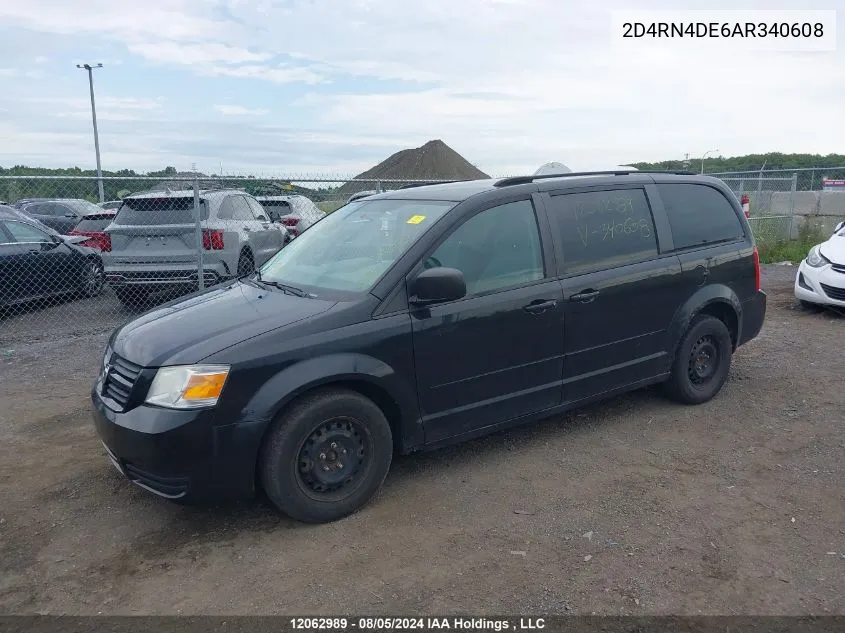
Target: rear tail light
{"type": "Point", "coordinates": [212, 239]}
{"type": "Point", "coordinates": [757, 269]}
{"type": "Point", "coordinates": [290, 221]}
{"type": "Point", "coordinates": [99, 240]}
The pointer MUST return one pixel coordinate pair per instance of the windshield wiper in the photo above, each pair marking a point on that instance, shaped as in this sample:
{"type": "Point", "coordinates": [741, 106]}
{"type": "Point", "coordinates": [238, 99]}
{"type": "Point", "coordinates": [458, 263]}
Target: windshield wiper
{"type": "Point", "coordinates": [299, 292]}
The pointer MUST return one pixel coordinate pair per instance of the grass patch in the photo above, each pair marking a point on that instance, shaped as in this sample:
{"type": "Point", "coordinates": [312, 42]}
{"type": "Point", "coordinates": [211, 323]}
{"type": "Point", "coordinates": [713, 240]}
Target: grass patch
{"type": "Point", "coordinates": [791, 250]}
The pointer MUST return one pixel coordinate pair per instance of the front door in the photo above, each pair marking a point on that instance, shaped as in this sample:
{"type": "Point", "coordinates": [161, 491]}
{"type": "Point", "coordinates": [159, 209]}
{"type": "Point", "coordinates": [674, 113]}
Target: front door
{"type": "Point", "coordinates": [495, 354]}
{"type": "Point", "coordinates": [620, 292]}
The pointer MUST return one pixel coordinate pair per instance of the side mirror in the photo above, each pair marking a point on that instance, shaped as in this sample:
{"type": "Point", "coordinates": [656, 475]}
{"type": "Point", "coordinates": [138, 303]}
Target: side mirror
{"type": "Point", "coordinates": [262, 218]}
{"type": "Point", "coordinates": [839, 227]}
{"type": "Point", "coordinates": [436, 285]}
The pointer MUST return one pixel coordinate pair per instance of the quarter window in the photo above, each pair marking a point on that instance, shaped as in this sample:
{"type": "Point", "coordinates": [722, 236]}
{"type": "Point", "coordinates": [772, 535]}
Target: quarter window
{"type": "Point", "coordinates": [603, 229]}
{"type": "Point", "coordinates": [498, 248]}
{"type": "Point", "coordinates": [699, 215]}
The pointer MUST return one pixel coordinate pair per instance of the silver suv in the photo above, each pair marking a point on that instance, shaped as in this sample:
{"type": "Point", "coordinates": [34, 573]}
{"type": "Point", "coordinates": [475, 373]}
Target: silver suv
{"type": "Point", "coordinates": [296, 213]}
{"type": "Point", "coordinates": [154, 243]}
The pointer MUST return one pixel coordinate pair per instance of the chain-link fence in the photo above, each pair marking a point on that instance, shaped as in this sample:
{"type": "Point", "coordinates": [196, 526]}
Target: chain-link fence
{"type": "Point", "coordinates": [70, 265]}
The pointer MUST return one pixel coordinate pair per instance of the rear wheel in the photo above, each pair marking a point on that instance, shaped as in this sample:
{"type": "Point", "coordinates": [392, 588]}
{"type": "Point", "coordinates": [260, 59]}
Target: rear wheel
{"type": "Point", "coordinates": [246, 264]}
{"type": "Point", "coordinates": [132, 298]}
{"type": "Point", "coordinates": [702, 361]}
{"type": "Point", "coordinates": [327, 456]}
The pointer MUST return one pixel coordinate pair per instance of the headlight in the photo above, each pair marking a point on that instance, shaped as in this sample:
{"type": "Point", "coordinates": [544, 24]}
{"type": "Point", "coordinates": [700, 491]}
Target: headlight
{"type": "Point", "coordinates": [188, 386]}
{"type": "Point", "coordinates": [816, 259]}
{"type": "Point", "coordinates": [107, 356]}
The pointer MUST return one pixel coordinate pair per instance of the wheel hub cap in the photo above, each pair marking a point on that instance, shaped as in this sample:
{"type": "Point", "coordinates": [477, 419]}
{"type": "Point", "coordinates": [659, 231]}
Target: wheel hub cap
{"type": "Point", "coordinates": [332, 456]}
{"type": "Point", "coordinates": [703, 360]}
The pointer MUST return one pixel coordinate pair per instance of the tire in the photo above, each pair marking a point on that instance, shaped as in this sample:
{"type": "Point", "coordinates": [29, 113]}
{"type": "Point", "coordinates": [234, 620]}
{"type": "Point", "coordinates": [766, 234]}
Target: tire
{"type": "Point", "coordinates": [707, 341]}
{"type": "Point", "coordinates": [92, 284]}
{"type": "Point", "coordinates": [132, 298]}
{"type": "Point", "coordinates": [246, 264]}
{"type": "Point", "coordinates": [301, 460]}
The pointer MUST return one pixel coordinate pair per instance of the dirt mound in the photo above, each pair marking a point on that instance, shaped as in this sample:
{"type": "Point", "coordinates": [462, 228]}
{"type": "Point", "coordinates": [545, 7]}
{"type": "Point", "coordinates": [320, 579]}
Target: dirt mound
{"type": "Point", "coordinates": [435, 160]}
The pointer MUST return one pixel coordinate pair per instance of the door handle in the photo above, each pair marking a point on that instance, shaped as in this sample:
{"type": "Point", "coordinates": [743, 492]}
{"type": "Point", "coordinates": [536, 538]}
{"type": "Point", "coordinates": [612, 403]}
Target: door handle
{"type": "Point", "coordinates": [585, 296]}
{"type": "Point", "coordinates": [540, 305]}
{"type": "Point", "coordinates": [246, 228]}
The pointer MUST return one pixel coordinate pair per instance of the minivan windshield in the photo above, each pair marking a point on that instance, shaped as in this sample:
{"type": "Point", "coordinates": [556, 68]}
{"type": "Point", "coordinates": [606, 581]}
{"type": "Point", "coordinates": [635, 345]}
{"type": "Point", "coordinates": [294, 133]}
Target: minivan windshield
{"type": "Point", "coordinates": [352, 247]}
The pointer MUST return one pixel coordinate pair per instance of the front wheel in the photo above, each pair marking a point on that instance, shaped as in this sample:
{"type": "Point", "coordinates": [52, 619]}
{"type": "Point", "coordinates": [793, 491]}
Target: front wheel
{"type": "Point", "coordinates": [327, 456]}
{"type": "Point", "coordinates": [702, 362]}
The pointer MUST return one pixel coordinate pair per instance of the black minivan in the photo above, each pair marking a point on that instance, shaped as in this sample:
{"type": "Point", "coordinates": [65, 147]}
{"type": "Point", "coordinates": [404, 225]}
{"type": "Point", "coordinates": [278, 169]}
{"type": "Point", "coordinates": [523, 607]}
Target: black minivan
{"type": "Point", "coordinates": [424, 316]}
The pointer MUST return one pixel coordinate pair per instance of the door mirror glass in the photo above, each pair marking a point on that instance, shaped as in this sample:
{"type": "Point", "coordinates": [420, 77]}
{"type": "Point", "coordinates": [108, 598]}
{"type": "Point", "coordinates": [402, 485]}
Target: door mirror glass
{"type": "Point", "coordinates": [839, 227]}
{"type": "Point", "coordinates": [437, 285]}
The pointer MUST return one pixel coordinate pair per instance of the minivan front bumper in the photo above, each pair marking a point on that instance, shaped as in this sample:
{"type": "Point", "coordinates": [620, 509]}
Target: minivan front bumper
{"type": "Point", "coordinates": [180, 455]}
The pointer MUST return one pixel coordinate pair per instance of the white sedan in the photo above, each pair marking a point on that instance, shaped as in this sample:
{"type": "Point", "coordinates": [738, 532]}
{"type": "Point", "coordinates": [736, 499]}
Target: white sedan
{"type": "Point", "coordinates": [821, 276]}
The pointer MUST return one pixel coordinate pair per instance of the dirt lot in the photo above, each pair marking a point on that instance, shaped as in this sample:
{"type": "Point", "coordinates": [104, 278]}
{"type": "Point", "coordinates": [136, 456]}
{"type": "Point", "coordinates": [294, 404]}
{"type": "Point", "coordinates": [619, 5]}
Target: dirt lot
{"type": "Point", "coordinates": [634, 506]}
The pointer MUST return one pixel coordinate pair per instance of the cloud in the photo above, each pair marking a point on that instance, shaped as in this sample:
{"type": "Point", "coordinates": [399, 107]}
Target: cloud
{"type": "Point", "coordinates": [188, 54]}
{"type": "Point", "coordinates": [236, 110]}
{"type": "Point", "coordinates": [21, 72]}
{"type": "Point", "coordinates": [276, 74]}
{"type": "Point", "coordinates": [509, 84]}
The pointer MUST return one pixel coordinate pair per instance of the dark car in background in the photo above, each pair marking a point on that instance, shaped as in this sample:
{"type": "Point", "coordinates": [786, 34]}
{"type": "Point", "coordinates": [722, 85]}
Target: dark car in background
{"type": "Point", "coordinates": [92, 226]}
{"type": "Point", "coordinates": [38, 263]}
{"type": "Point", "coordinates": [61, 215]}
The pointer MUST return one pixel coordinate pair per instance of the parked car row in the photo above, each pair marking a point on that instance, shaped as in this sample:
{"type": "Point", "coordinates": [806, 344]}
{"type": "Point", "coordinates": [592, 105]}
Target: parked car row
{"type": "Point", "coordinates": [151, 241]}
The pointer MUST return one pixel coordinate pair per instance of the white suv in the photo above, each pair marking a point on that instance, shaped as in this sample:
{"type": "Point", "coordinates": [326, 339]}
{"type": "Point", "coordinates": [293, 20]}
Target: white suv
{"type": "Point", "coordinates": [155, 245]}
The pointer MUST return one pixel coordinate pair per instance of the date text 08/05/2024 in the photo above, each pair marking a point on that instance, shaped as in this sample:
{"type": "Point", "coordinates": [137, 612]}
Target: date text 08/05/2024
{"type": "Point", "coordinates": [417, 624]}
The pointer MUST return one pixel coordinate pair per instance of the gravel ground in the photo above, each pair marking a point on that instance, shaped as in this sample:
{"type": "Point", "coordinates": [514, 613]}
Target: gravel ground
{"type": "Point", "coordinates": [634, 506]}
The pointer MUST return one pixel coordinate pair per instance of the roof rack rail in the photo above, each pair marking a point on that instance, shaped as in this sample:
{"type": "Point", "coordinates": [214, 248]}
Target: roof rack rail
{"type": "Point", "coordinates": [521, 180]}
{"type": "Point", "coordinates": [432, 182]}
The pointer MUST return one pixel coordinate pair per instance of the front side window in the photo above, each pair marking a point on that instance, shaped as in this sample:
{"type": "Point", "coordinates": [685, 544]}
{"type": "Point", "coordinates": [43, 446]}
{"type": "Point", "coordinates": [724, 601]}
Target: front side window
{"type": "Point", "coordinates": [495, 249]}
{"type": "Point", "coordinates": [353, 247]}
{"type": "Point", "coordinates": [603, 229]}
{"type": "Point", "coordinates": [699, 215]}
{"type": "Point", "coordinates": [24, 233]}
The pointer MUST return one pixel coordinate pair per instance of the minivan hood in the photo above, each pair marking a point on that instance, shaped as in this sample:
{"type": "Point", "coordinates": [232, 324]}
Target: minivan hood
{"type": "Point", "coordinates": [834, 249]}
{"type": "Point", "coordinates": [187, 331]}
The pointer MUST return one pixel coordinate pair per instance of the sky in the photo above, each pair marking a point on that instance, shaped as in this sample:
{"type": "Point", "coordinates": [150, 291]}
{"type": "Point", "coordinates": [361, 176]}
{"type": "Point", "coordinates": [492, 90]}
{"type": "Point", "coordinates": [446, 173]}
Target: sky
{"type": "Point", "coordinates": [332, 87]}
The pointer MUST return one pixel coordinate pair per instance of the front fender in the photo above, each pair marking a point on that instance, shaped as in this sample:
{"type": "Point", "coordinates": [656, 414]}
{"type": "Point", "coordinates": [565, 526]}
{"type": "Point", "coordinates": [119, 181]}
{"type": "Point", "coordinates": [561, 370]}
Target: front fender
{"type": "Point", "coordinates": [706, 296]}
{"type": "Point", "coordinates": [378, 376]}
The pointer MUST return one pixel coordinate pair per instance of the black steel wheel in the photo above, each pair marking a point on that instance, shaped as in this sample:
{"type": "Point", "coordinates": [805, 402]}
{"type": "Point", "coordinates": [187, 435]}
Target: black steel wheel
{"type": "Point", "coordinates": [326, 455]}
{"type": "Point", "coordinates": [702, 361]}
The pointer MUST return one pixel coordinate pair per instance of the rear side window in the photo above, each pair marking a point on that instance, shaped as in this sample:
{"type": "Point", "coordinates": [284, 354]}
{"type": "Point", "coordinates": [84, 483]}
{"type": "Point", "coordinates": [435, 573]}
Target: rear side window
{"type": "Point", "coordinates": [603, 229]}
{"type": "Point", "coordinates": [94, 224]}
{"type": "Point", "coordinates": [152, 211]}
{"type": "Point", "coordinates": [699, 215]}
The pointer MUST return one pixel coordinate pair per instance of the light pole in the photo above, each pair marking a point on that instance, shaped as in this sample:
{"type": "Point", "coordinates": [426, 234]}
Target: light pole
{"type": "Point", "coordinates": [705, 156]}
{"type": "Point", "coordinates": [90, 68]}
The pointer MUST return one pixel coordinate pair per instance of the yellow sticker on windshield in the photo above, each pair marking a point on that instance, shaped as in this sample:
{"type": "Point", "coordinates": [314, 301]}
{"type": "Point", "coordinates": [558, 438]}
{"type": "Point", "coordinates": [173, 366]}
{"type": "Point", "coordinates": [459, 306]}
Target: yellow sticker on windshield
{"type": "Point", "coordinates": [416, 219]}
